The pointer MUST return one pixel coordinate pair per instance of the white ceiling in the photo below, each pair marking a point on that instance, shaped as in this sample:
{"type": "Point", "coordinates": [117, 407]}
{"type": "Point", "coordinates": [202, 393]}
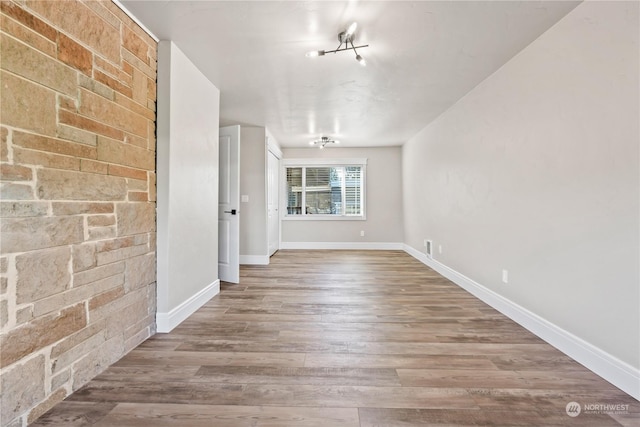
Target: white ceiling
{"type": "Point", "coordinates": [423, 57]}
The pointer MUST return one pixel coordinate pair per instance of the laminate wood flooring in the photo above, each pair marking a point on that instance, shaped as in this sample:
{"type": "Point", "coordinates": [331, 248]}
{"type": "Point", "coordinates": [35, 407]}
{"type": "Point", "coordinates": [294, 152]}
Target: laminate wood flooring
{"type": "Point", "coordinates": [343, 338]}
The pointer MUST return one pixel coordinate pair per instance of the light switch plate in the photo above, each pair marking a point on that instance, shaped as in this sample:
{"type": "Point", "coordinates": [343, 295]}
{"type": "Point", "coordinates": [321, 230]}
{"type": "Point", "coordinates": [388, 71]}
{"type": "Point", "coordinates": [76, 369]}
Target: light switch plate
{"type": "Point", "coordinates": [244, 198]}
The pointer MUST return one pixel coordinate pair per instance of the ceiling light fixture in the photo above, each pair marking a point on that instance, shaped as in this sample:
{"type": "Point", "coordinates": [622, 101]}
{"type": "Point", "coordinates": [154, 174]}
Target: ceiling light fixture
{"type": "Point", "coordinates": [345, 38]}
{"type": "Point", "coordinates": [324, 141]}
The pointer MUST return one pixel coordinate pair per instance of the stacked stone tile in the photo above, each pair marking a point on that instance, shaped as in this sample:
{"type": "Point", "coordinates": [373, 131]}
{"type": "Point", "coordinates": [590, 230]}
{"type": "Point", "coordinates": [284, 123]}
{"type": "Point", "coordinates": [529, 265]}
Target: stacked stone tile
{"type": "Point", "coordinates": [77, 164]}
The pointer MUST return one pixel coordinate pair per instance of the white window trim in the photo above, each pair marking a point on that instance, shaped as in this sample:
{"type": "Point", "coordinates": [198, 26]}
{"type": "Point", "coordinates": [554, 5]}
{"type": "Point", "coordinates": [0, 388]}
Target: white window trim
{"type": "Point", "coordinates": [285, 163]}
{"type": "Point", "coordinates": [325, 162]}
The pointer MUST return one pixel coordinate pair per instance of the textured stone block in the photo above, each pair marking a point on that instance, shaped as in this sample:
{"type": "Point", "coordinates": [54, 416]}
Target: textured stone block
{"type": "Point", "coordinates": [4, 145]}
{"type": "Point", "coordinates": [152, 136]}
{"type": "Point", "coordinates": [77, 338]}
{"type": "Point", "coordinates": [24, 315]}
{"type": "Point", "coordinates": [97, 361]}
{"type": "Point", "coordinates": [96, 87]}
{"type": "Point", "coordinates": [79, 208]}
{"type": "Point", "coordinates": [91, 166]}
{"type": "Point", "coordinates": [47, 160]}
{"type": "Point", "coordinates": [42, 273]}
{"type": "Point", "coordinates": [27, 234]}
{"type": "Point", "coordinates": [15, 173]}
{"type": "Point", "coordinates": [108, 112]}
{"type": "Point", "coordinates": [23, 209]}
{"type": "Point", "coordinates": [82, 24]}
{"type": "Point", "coordinates": [126, 172]}
{"type": "Point", "coordinates": [152, 90]}
{"type": "Point", "coordinates": [102, 9]}
{"type": "Point", "coordinates": [121, 242]}
{"type": "Point", "coordinates": [19, 59]}
{"type": "Point", "coordinates": [140, 86]}
{"type": "Point", "coordinates": [27, 105]}
{"type": "Point", "coordinates": [4, 265]}
{"type": "Point", "coordinates": [22, 387]}
{"type": "Point", "coordinates": [61, 379]}
{"type": "Point", "coordinates": [106, 297]}
{"type": "Point", "coordinates": [27, 35]}
{"type": "Point", "coordinates": [140, 271]}
{"type": "Point", "coordinates": [113, 83]}
{"type": "Point", "coordinates": [135, 218]}
{"type": "Point", "coordinates": [4, 312]}
{"type": "Point", "coordinates": [124, 312]}
{"type": "Point", "coordinates": [79, 136]}
{"type": "Point", "coordinates": [11, 191]}
{"type": "Point", "coordinates": [28, 338]}
{"type": "Point", "coordinates": [139, 337]}
{"type": "Point", "coordinates": [113, 151]}
{"type": "Point", "coordinates": [29, 20]}
{"type": "Point", "coordinates": [152, 186]}
{"type": "Point", "coordinates": [67, 102]}
{"type": "Point", "coordinates": [75, 295]}
{"type": "Point", "coordinates": [141, 324]}
{"type": "Point", "coordinates": [84, 257]}
{"type": "Point", "coordinates": [127, 68]}
{"type": "Point", "coordinates": [135, 45]}
{"type": "Point", "coordinates": [75, 353]}
{"type": "Point", "coordinates": [53, 399]}
{"type": "Point", "coordinates": [141, 109]}
{"type": "Point", "coordinates": [101, 233]}
{"type": "Point", "coordinates": [81, 122]}
{"type": "Point", "coordinates": [138, 196]}
{"type": "Point", "coordinates": [136, 140]}
{"type": "Point", "coordinates": [98, 273]}
{"type": "Point", "coordinates": [55, 145]}
{"type": "Point", "coordinates": [101, 220]}
{"type": "Point", "coordinates": [114, 70]}
{"type": "Point", "coordinates": [121, 254]}
{"type": "Point", "coordinates": [137, 185]}
{"type": "Point", "coordinates": [72, 53]}
{"type": "Point", "coordinates": [148, 69]}
{"type": "Point", "coordinates": [67, 185]}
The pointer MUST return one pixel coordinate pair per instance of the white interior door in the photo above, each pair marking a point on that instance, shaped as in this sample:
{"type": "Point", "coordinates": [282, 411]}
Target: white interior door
{"type": "Point", "coordinates": [228, 204]}
{"type": "Point", "coordinates": [273, 173]}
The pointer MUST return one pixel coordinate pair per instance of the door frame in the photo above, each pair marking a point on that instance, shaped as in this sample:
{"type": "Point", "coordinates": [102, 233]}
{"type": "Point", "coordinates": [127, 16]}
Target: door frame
{"type": "Point", "coordinates": [277, 152]}
{"type": "Point", "coordinates": [230, 212]}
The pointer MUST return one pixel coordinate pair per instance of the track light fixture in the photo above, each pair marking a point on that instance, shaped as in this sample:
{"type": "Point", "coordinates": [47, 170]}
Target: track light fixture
{"type": "Point", "coordinates": [345, 38]}
{"type": "Point", "coordinates": [323, 141]}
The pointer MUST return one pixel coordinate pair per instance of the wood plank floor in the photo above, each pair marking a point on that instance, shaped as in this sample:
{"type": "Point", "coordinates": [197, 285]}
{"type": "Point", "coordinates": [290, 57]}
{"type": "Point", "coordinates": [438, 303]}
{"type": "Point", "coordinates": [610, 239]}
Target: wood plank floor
{"type": "Point", "coordinates": [343, 338]}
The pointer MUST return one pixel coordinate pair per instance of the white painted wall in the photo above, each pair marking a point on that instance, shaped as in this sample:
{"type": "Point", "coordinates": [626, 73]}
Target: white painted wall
{"type": "Point", "coordinates": [383, 226]}
{"type": "Point", "coordinates": [187, 150]}
{"type": "Point", "coordinates": [536, 171]}
{"type": "Point", "coordinates": [254, 244]}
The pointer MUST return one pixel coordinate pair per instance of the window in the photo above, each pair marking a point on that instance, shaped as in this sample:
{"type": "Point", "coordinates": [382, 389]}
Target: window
{"type": "Point", "coordinates": [318, 190]}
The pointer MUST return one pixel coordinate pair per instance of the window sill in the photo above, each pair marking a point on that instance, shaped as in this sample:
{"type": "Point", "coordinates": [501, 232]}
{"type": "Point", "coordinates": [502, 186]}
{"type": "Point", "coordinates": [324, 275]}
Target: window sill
{"type": "Point", "coordinates": [319, 217]}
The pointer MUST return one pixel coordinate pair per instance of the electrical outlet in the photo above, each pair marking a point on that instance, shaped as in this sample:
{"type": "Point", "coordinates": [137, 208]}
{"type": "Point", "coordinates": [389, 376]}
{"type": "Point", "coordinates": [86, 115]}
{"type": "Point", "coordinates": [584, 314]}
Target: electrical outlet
{"type": "Point", "coordinates": [505, 276]}
{"type": "Point", "coordinates": [439, 249]}
{"type": "Point", "coordinates": [361, 233]}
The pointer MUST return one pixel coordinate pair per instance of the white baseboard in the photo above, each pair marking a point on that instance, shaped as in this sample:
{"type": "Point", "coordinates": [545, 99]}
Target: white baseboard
{"type": "Point", "coordinates": [167, 321]}
{"type": "Point", "coordinates": [612, 369]}
{"type": "Point", "coordinates": [254, 259]}
{"type": "Point", "coordinates": [389, 246]}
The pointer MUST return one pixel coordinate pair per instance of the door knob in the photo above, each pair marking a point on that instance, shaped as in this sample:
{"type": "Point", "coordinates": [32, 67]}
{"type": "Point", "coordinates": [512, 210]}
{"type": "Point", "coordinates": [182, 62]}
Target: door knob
{"type": "Point", "coordinates": [232, 211]}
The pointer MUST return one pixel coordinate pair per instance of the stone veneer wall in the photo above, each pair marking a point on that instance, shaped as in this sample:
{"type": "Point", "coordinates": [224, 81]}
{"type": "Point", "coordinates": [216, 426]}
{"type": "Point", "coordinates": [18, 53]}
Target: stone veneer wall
{"type": "Point", "coordinates": [78, 92]}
